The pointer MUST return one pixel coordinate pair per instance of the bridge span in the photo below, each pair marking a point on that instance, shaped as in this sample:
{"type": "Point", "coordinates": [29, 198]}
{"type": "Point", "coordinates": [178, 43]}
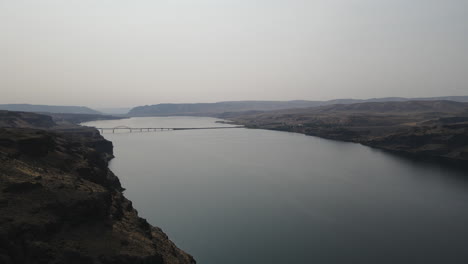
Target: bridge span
{"type": "Point", "coordinates": [154, 129]}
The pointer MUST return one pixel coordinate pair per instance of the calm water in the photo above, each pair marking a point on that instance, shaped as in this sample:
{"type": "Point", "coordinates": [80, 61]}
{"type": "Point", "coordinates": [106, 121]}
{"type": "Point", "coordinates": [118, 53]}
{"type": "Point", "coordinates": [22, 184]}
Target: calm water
{"type": "Point", "coordinates": [265, 197]}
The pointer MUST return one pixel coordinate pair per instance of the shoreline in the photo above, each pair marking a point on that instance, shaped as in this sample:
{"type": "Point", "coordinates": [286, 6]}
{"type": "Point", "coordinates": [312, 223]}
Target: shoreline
{"type": "Point", "coordinates": [414, 156]}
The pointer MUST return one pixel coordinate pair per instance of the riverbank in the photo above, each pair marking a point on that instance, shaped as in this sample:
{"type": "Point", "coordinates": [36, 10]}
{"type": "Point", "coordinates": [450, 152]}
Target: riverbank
{"type": "Point", "coordinates": [420, 129]}
{"type": "Point", "coordinates": [60, 203]}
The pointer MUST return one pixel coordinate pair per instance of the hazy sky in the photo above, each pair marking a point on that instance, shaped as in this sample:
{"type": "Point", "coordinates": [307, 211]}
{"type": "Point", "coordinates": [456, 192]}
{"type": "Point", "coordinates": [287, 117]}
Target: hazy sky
{"type": "Point", "coordinates": [109, 53]}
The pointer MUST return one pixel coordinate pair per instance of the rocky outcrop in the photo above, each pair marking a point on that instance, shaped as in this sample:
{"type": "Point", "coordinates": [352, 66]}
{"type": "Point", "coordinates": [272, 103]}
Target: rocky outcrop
{"type": "Point", "coordinates": [59, 203]}
{"type": "Point", "coordinates": [24, 119]}
{"type": "Point", "coordinates": [447, 141]}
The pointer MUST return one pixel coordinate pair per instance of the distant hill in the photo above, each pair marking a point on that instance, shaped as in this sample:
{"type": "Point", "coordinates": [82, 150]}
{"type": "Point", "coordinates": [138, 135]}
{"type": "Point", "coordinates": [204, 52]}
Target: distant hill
{"type": "Point", "coordinates": [349, 113]}
{"type": "Point", "coordinates": [48, 109]}
{"type": "Point", "coordinates": [442, 106]}
{"type": "Point", "coordinates": [63, 119]}
{"type": "Point", "coordinates": [215, 109]}
{"type": "Point", "coordinates": [114, 111]}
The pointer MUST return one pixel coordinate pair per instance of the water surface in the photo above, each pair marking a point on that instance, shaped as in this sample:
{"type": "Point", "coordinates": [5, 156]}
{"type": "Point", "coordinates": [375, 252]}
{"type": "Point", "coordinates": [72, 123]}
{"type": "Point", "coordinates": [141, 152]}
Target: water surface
{"type": "Point", "coordinates": [266, 197]}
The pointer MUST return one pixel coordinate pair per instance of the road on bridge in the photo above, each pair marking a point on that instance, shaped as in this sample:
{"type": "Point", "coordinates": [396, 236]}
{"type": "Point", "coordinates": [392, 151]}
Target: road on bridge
{"type": "Point", "coordinates": [154, 129]}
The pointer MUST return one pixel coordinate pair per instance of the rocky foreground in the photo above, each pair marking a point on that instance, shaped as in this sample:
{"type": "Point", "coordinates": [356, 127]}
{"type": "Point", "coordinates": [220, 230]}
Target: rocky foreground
{"type": "Point", "coordinates": [60, 203]}
{"type": "Point", "coordinates": [427, 129]}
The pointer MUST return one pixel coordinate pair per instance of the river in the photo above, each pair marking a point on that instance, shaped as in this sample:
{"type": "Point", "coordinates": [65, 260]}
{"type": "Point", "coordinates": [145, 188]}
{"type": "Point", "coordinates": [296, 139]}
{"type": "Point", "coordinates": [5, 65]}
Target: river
{"type": "Point", "coordinates": [232, 196]}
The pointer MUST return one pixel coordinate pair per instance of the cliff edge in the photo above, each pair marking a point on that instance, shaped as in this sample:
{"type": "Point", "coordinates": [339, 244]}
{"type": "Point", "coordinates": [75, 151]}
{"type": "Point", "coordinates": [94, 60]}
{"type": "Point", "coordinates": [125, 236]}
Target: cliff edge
{"type": "Point", "coordinates": [60, 203]}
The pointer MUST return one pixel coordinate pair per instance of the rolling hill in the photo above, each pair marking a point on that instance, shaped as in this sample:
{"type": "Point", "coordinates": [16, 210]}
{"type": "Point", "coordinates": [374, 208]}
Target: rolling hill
{"type": "Point", "coordinates": [216, 109]}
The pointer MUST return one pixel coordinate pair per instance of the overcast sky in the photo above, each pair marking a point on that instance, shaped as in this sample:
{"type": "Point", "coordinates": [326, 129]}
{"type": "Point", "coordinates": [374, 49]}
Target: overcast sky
{"type": "Point", "coordinates": [110, 53]}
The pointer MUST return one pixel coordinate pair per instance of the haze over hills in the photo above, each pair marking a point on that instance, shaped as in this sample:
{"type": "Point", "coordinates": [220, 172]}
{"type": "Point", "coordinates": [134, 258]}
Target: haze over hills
{"type": "Point", "coordinates": [416, 106]}
{"type": "Point", "coordinates": [114, 111]}
{"type": "Point", "coordinates": [48, 109]}
{"type": "Point", "coordinates": [214, 109]}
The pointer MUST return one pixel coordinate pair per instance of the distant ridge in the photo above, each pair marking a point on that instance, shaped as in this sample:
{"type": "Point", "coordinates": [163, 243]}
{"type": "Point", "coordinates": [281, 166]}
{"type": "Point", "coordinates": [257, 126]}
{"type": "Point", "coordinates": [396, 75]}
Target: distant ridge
{"type": "Point", "coordinates": [215, 109]}
{"type": "Point", "coordinates": [114, 111]}
{"type": "Point", "coordinates": [211, 109]}
{"type": "Point", "coordinates": [416, 106]}
{"type": "Point", "coordinates": [48, 109]}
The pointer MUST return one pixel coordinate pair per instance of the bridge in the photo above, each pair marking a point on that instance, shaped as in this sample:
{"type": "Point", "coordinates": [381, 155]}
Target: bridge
{"type": "Point", "coordinates": [154, 129]}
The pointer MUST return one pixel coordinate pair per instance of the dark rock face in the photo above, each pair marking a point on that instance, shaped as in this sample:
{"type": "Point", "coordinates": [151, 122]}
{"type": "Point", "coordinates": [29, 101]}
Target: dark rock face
{"type": "Point", "coordinates": [59, 203]}
{"type": "Point", "coordinates": [37, 146]}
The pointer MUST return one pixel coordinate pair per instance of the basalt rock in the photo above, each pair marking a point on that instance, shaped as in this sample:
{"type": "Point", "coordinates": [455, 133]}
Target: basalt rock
{"type": "Point", "coordinates": [59, 202]}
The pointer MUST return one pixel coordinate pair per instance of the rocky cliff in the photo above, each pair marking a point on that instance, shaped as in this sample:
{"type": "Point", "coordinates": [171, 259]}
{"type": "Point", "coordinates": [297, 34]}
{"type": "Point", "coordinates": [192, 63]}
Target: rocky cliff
{"type": "Point", "coordinates": [60, 203]}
